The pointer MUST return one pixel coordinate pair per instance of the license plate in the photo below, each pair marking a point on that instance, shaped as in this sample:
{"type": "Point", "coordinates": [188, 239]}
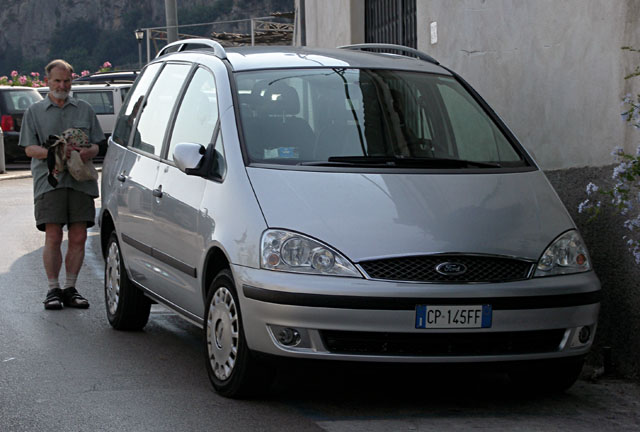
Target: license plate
{"type": "Point", "coordinates": [443, 317]}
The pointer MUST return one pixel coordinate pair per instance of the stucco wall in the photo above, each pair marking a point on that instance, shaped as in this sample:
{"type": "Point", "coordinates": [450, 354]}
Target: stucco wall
{"type": "Point", "coordinates": [553, 70]}
{"type": "Point", "coordinates": [332, 23]}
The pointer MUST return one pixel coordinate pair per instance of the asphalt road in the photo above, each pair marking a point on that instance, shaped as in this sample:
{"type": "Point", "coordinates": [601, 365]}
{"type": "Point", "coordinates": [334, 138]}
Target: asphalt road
{"type": "Point", "coordinates": [69, 371]}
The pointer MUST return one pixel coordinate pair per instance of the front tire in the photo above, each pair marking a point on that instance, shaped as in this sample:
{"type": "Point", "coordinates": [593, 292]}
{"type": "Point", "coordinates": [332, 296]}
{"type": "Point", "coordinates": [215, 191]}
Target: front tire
{"type": "Point", "coordinates": [127, 307]}
{"type": "Point", "coordinates": [233, 370]}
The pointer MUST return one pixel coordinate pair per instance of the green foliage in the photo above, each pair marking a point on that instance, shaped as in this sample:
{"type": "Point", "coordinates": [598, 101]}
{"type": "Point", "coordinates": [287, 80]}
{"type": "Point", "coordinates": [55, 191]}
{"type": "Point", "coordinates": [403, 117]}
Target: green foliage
{"type": "Point", "coordinates": [624, 196]}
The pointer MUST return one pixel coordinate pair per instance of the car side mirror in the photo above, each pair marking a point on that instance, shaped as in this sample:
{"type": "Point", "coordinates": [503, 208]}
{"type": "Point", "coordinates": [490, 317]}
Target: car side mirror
{"type": "Point", "coordinates": [188, 156]}
{"type": "Point", "coordinates": [195, 159]}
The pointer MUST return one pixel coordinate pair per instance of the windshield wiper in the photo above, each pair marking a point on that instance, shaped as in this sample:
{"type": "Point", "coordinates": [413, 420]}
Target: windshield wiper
{"type": "Point", "coordinates": [393, 162]}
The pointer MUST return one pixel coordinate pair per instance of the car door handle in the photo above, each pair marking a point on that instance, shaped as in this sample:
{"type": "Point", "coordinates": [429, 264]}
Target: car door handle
{"type": "Point", "coordinates": [158, 192]}
{"type": "Point", "coordinates": [122, 177]}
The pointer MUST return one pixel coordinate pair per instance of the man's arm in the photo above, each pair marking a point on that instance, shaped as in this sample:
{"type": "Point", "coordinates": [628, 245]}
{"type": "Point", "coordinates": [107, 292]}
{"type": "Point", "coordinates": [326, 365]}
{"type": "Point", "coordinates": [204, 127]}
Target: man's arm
{"type": "Point", "coordinates": [36, 152]}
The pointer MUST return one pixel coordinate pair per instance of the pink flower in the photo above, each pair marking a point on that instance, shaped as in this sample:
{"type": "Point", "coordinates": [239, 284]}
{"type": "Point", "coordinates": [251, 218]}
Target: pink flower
{"type": "Point", "coordinates": [74, 75]}
{"type": "Point", "coordinates": [84, 73]}
{"type": "Point", "coordinates": [106, 65]}
{"type": "Point", "coordinates": [14, 74]}
{"type": "Point", "coordinates": [35, 74]}
{"type": "Point", "coordinates": [22, 80]}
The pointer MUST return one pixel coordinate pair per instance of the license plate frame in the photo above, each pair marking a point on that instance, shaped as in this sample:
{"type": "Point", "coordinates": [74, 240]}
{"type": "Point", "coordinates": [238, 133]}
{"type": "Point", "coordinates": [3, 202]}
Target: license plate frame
{"type": "Point", "coordinates": [454, 316]}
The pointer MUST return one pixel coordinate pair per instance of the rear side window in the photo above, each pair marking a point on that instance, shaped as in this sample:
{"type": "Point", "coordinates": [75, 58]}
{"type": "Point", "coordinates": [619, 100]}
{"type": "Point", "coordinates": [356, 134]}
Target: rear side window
{"type": "Point", "coordinates": [198, 113]}
{"type": "Point", "coordinates": [17, 101]}
{"type": "Point", "coordinates": [131, 109]}
{"type": "Point", "coordinates": [100, 101]}
{"type": "Point", "coordinates": [154, 119]}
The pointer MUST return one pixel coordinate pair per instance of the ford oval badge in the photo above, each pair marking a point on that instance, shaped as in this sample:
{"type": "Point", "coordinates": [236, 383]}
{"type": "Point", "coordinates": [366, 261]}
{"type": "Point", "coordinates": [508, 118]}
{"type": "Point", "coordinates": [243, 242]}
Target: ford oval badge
{"type": "Point", "coordinates": [451, 268]}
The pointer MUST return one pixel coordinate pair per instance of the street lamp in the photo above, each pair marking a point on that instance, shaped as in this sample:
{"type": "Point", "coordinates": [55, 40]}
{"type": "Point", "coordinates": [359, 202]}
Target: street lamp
{"type": "Point", "coordinates": [139, 36]}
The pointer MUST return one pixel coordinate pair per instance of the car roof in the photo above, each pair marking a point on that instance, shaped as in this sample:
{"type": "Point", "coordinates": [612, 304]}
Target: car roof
{"type": "Point", "coordinates": [278, 57]}
{"type": "Point", "coordinates": [109, 77]}
{"type": "Point", "coordinates": [17, 88]}
{"type": "Point", "coordinates": [95, 86]}
{"type": "Point", "coordinates": [275, 57]}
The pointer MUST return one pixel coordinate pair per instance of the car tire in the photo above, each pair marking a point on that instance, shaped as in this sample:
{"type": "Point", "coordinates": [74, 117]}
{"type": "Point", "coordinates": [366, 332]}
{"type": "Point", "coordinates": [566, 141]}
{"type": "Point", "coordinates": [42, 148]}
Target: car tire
{"type": "Point", "coordinates": [233, 369]}
{"type": "Point", "coordinates": [554, 376]}
{"type": "Point", "coordinates": [127, 307]}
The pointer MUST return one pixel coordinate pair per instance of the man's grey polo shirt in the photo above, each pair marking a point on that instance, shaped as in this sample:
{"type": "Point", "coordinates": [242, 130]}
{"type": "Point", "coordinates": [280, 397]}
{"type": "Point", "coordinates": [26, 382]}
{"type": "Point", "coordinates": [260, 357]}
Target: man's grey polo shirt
{"type": "Point", "coordinates": [45, 118]}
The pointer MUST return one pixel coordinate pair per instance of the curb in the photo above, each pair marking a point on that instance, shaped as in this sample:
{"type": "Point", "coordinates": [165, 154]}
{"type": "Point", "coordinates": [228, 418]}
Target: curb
{"type": "Point", "coordinates": [14, 176]}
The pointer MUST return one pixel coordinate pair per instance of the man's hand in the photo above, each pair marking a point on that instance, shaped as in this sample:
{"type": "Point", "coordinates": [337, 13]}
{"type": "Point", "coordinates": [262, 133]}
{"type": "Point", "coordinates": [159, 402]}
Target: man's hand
{"type": "Point", "coordinates": [88, 153]}
{"type": "Point", "coordinates": [69, 149]}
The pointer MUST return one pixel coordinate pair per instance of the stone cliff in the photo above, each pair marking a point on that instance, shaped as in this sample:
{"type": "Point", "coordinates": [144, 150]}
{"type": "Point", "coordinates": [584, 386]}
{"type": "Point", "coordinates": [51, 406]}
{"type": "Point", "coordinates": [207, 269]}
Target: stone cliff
{"type": "Point", "coordinates": [27, 27]}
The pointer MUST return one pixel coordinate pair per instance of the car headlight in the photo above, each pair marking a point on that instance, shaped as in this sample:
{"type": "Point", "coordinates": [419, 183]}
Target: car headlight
{"type": "Point", "coordinates": [566, 254]}
{"type": "Point", "coordinates": [293, 252]}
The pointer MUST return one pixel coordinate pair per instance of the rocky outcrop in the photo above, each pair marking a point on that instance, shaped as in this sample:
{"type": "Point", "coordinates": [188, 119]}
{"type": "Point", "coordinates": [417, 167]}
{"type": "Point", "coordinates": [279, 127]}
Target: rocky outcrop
{"type": "Point", "coordinates": [26, 26]}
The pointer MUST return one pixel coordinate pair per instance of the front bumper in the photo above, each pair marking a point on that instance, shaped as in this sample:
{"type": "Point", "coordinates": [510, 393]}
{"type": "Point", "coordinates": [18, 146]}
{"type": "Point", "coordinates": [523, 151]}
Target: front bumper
{"type": "Point", "coordinates": [365, 320]}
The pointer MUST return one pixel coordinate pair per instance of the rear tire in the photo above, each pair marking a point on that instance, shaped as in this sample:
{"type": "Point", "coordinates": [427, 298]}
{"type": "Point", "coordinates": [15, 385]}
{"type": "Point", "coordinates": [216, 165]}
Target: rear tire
{"type": "Point", "coordinates": [233, 370]}
{"type": "Point", "coordinates": [554, 376]}
{"type": "Point", "coordinates": [127, 307]}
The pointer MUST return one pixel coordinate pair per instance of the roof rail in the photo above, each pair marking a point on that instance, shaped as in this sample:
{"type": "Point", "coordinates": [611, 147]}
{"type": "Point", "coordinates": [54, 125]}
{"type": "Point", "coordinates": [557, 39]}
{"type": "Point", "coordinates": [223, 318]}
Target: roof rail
{"type": "Point", "coordinates": [392, 47]}
{"type": "Point", "coordinates": [193, 43]}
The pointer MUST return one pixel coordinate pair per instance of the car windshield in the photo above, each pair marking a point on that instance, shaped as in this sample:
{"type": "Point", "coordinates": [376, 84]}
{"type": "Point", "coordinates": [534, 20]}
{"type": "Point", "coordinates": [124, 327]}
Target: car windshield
{"type": "Point", "coordinates": [367, 117]}
{"type": "Point", "coordinates": [17, 100]}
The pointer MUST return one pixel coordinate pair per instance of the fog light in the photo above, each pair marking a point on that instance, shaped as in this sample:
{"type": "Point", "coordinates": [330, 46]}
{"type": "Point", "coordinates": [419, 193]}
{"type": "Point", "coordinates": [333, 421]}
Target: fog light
{"type": "Point", "coordinates": [288, 336]}
{"type": "Point", "coordinates": [584, 334]}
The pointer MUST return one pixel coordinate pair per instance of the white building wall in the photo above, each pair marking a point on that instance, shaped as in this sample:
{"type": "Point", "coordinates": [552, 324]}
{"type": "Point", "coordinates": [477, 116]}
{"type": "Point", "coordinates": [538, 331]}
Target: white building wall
{"type": "Point", "coordinates": [332, 23]}
{"type": "Point", "coordinates": [553, 70]}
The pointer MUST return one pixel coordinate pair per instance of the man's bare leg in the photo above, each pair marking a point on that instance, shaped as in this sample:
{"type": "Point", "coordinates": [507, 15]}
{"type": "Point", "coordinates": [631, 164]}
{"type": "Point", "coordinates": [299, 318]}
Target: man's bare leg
{"type": "Point", "coordinates": [73, 263]}
{"type": "Point", "coordinates": [75, 251]}
{"type": "Point", "coordinates": [52, 259]}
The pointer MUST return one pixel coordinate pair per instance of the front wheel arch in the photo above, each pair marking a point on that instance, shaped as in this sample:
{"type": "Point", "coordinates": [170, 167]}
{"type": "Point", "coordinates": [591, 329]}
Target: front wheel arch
{"type": "Point", "coordinates": [234, 371]}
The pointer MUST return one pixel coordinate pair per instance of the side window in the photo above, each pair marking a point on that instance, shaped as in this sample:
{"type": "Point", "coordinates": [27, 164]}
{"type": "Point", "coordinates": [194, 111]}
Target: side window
{"type": "Point", "coordinates": [198, 113]}
{"type": "Point", "coordinates": [128, 112]}
{"type": "Point", "coordinates": [100, 101]}
{"type": "Point", "coordinates": [154, 119]}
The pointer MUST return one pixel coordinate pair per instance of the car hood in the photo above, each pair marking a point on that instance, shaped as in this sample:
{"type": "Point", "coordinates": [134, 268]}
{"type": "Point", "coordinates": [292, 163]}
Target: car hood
{"type": "Point", "coordinates": [367, 216]}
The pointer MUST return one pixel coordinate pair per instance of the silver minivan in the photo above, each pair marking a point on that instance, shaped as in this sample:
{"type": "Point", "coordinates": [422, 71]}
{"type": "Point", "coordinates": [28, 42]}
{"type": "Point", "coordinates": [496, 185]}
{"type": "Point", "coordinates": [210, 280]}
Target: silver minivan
{"type": "Point", "coordinates": [338, 204]}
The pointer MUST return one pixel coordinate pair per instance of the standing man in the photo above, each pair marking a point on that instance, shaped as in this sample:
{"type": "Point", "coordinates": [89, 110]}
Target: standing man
{"type": "Point", "coordinates": [69, 202]}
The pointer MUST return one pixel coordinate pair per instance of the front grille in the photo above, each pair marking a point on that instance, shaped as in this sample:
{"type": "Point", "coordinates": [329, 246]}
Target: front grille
{"type": "Point", "coordinates": [423, 269]}
{"type": "Point", "coordinates": [442, 344]}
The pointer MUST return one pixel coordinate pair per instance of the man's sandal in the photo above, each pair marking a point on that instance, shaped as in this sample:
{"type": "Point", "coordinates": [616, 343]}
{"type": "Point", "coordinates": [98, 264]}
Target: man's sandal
{"type": "Point", "coordinates": [54, 299]}
{"type": "Point", "coordinates": [71, 298]}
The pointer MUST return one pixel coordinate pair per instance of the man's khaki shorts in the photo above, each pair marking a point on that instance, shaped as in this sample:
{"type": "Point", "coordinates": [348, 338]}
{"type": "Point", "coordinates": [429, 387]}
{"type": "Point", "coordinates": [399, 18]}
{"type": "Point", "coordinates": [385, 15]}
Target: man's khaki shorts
{"type": "Point", "coordinates": [64, 206]}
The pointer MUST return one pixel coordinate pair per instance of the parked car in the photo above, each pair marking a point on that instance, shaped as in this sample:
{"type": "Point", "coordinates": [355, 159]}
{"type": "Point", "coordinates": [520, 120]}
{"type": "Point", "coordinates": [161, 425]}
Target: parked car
{"type": "Point", "coordinates": [343, 205]}
{"type": "Point", "coordinates": [14, 101]}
